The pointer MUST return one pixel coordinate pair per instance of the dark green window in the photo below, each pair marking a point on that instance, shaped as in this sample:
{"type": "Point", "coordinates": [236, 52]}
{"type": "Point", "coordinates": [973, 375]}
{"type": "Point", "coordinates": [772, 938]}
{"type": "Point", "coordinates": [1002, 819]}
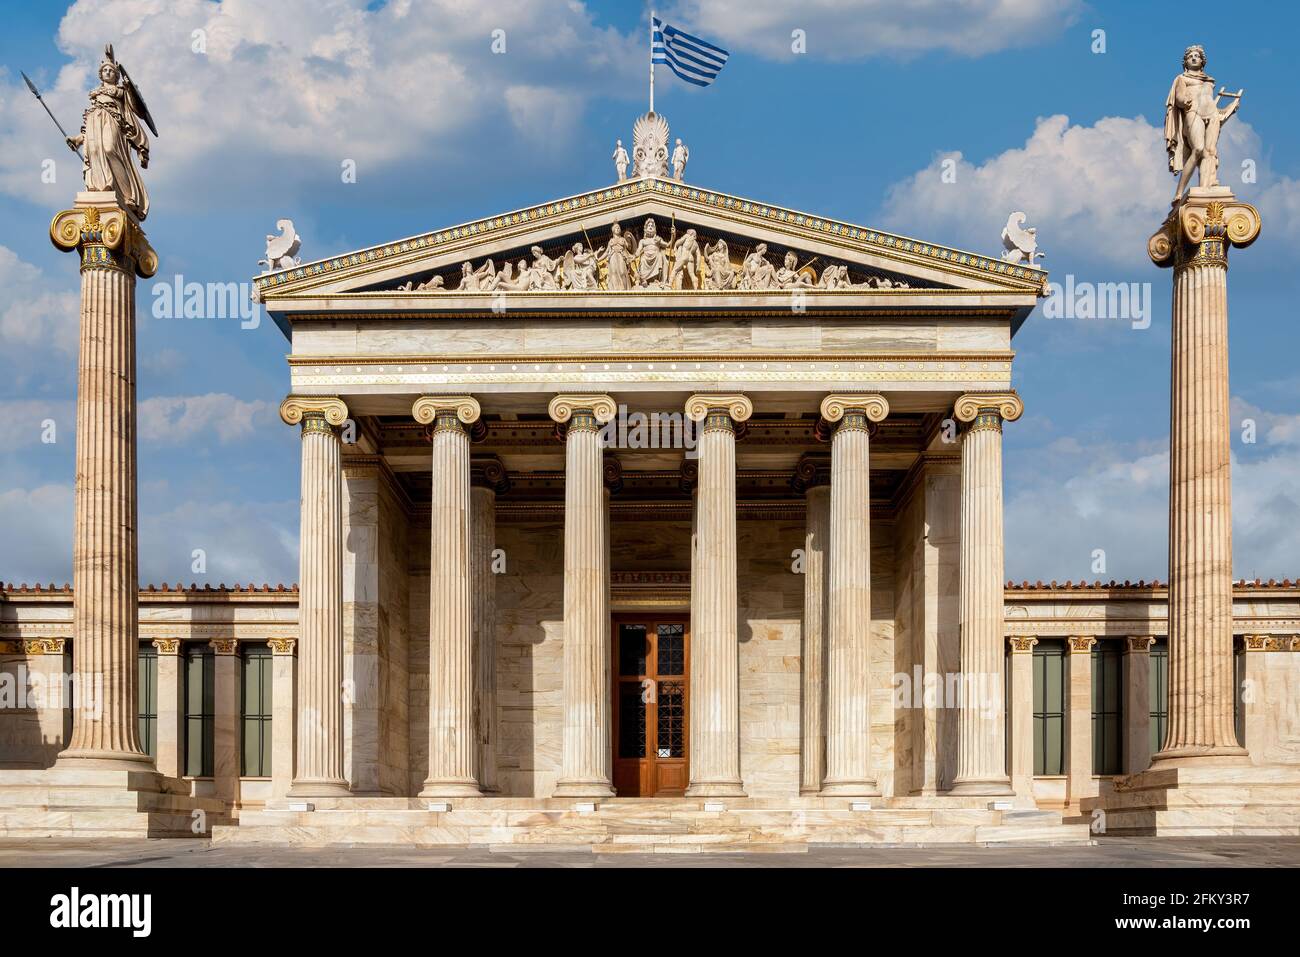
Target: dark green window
{"type": "Point", "coordinates": [1049, 707]}
{"type": "Point", "coordinates": [1239, 679]}
{"type": "Point", "coordinates": [1159, 687]}
{"type": "Point", "coordinates": [147, 717]}
{"type": "Point", "coordinates": [200, 677]}
{"type": "Point", "coordinates": [255, 710]}
{"type": "Point", "coordinates": [1107, 708]}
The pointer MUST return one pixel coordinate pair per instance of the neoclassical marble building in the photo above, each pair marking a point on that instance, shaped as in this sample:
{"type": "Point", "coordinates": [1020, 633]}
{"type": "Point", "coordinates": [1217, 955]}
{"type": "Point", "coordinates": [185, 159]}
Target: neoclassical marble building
{"type": "Point", "coordinates": [685, 529]}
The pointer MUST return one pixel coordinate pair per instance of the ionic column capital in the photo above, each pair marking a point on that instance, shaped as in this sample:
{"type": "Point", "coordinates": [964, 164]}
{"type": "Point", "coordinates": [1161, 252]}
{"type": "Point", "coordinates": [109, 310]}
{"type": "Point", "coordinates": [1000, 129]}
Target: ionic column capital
{"type": "Point", "coordinates": [44, 646]}
{"type": "Point", "coordinates": [224, 646]}
{"type": "Point", "coordinates": [705, 407]}
{"type": "Point", "coordinates": [297, 409]}
{"type": "Point", "coordinates": [446, 411]}
{"type": "Point", "coordinates": [1139, 644]}
{"type": "Point", "coordinates": [810, 472]}
{"type": "Point", "coordinates": [988, 409]}
{"type": "Point", "coordinates": [1022, 644]}
{"type": "Point", "coordinates": [612, 473]}
{"type": "Point", "coordinates": [563, 407]}
{"type": "Point", "coordinates": [489, 472]}
{"type": "Point", "coordinates": [282, 646]}
{"type": "Point", "coordinates": [871, 405]}
{"type": "Point", "coordinates": [1265, 643]}
{"type": "Point", "coordinates": [107, 236]}
{"type": "Point", "coordinates": [1079, 644]}
{"type": "Point", "coordinates": [167, 646]}
{"type": "Point", "coordinates": [1199, 230]}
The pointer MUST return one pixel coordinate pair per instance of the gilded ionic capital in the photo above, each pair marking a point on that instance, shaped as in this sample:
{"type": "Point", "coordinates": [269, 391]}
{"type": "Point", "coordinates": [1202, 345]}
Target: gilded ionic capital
{"type": "Point", "coordinates": [1265, 643]}
{"type": "Point", "coordinates": [1080, 644]}
{"type": "Point", "coordinates": [1022, 644]}
{"type": "Point", "coordinates": [107, 237]}
{"type": "Point", "coordinates": [563, 407]}
{"type": "Point", "coordinates": [835, 406]}
{"type": "Point", "coordinates": [464, 408]}
{"type": "Point", "coordinates": [1199, 230]}
{"type": "Point", "coordinates": [1005, 405]}
{"type": "Point", "coordinates": [44, 646]}
{"type": "Point", "coordinates": [282, 646]}
{"type": "Point", "coordinates": [167, 646]}
{"type": "Point", "coordinates": [295, 408]}
{"type": "Point", "coordinates": [1139, 644]}
{"type": "Point", "coordinates": [224, 646]}
{"type": "Point", "coordinates": [489, 472]}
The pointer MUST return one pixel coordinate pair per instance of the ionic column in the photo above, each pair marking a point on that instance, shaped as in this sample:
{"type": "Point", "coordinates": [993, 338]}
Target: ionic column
{"type": "Point", "coordinates": [283, 698]}
{"type": "Point", "coordinates": [105, 543]}
{"type": "Point", "coordinates": [1078, 718]}
{"type": "Point", "coordinates": [1022, 715]}
{"type": "Point", "coordinates": [981, 717]}
{"type": "Point", "coordinates": [226, 755]}
{"type": "Point", "coordinates": [812, 477]}
{"type": "Point", "coordinates": [848, 596]}
{"type": "Point", "coordinates": [1137, 703]}
{"type": "Point", "coordinates": [171, 707]}
{"type": "Point", "coordinates": [318, 768]}
{"type": "Point", "coordinates": [453, 737]}
{"type": "Point", "coordinates": [715, 655]}
{"type": "Point", "coordinates": [1194, 240]}
{"type": "Point", "coordinates": [586, 766]}
{"type": "Point", "coordinates": [488, 479]}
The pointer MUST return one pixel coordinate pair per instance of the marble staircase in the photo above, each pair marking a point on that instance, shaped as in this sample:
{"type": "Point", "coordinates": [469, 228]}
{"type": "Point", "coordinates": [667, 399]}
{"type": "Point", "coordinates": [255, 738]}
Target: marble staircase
{"type": "Point", "coordinates": [89, 804]}
{"type": "Point", "coordinates": [622, 825]}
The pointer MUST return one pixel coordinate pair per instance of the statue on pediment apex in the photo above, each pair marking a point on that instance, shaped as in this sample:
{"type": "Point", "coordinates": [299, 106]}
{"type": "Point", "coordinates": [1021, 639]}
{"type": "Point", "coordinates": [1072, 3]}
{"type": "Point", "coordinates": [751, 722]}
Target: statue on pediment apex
{"type": "Point", "coordinates": [680, 155]}
{"type": "Point", "coordinates": [650, 146]}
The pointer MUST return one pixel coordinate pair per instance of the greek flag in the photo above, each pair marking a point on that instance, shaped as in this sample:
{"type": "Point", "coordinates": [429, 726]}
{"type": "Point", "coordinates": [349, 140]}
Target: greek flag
{"type": "Point", "coordinates": [694, 60]}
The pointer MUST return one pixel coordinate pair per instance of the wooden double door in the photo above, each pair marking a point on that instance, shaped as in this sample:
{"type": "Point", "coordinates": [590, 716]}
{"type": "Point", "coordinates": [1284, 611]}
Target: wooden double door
{"type": "Point", "coordinates": [651, 697]}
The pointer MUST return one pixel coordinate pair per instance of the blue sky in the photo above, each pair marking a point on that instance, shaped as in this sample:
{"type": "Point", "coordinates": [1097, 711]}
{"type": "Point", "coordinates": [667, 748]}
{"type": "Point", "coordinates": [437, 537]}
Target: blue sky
{"type": "Point", "coordinates": [255, 125]}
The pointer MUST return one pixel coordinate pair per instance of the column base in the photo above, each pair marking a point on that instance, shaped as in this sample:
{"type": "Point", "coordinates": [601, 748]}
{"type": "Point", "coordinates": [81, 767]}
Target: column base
{"type": "Point", "coordinates": [715, 789]}
{"type": "Point", "coordinates": [1225, 755]}
{"type": "Point", "coordinates": [306, 789]}
{"type": "Point", "coordinates": [595, 788]}
{"type": "Point", "coordinates": [982, 787]}
{"type": "Point", "coordinates": [103, 760]}
{"type": "Point", "coordinates": [807, 790]}
{"type": "Point", "coordinates": [863, 787]}
{"type": "Point", "coordinates": [450, 789]}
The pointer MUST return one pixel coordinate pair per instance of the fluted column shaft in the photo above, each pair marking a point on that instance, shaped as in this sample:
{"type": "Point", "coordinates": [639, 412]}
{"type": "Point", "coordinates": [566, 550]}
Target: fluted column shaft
{"type": "Point", "coordinates": [483, 527]}
{"type": "Point", "coordinates": [318, 768]}
{"type": "Point", "coordinates": [1200, 520]}
{"type": "Point", "coordinates": [453, 738]}
{"type": "Point", "coordinates": [981, 721]}
{"type": "Point", "coordinates": [587, 761]}
{"type": "Point", "coordinates": [105, 547]}
{"type": "Point", "coordinates": [715, 655]}
{"type": "Point", "coordinates": [848, 647]}
{"type": "Point", "coordinates": [816, 551]}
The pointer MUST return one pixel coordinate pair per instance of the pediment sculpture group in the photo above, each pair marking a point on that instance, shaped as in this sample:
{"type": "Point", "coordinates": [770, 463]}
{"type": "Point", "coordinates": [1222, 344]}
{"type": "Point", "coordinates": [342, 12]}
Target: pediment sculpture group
{"type": "Point", "coordinates": [652, 263]}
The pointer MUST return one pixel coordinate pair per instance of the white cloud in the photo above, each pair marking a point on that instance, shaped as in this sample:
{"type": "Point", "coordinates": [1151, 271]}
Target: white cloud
{"type": "Point", "coordinates": [1096, 193]}
{"type": "Point", "coordinates": [174, 420]}
{"type": "Point", "coordinates": [242, 542]}
{"type": "Point", "coordinates": [1115, 497]}
{"type": "Point", "coordinates": [293, 86]}
{"type": "Point", "coordinates": [35, 311]}
{"type": "Point", "coordinates": [23, 421]}
{"type": "Point", "coordinates": [853, 29]}
{"type": "Point", "coordinates": [37, 542]}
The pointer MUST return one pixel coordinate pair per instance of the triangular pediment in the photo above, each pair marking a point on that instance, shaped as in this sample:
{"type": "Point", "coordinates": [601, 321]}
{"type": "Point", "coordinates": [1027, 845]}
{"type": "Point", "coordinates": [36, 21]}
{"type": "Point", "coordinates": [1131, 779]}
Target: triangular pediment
{"type": "Point", "coordinates": [744, 248]}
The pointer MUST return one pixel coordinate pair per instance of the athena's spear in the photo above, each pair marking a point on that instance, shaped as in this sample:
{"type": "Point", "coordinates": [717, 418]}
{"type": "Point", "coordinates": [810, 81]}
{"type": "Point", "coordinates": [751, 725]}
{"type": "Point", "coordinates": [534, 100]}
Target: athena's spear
{"type": "Point", "coordinates": [37, 93]}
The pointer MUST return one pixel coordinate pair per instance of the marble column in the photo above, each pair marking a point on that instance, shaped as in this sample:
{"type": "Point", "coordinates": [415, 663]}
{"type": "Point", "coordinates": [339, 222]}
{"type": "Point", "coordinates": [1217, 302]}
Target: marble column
{"type": "Point", "coordinates": [226, 751]}
{"type": "Point", "coordinates": [283, 712]}
{"type": "Point", "coordinates": [453, 738]}
{"type": "Point", "coordinates": [587, 762]}
{"type": "Point", "coordinates": [1194, 240]}
{"type": "Point", "coordinates": [171, 708]}
{"type": "Point", "coordinates": [318, 768]}
{"type": "Point", "coordinates": [488, 479]}
{"type": "Point", "coordinates": [1137, 703]}
{"type": "Point", "coordinates": [848, 595]}
{"type": "Point", "coordinates": [812, 478]}
{"type": "Point", "coordinates": [715, 653]}
{"type": "Point", "coordinates": [1078, 719]}
{"type": "Point", "coordinates": [1022, 715]}
{"type": "Point", "coordinates": [105, 546]}
{"type": "Point", "coordinates": [981, 714]}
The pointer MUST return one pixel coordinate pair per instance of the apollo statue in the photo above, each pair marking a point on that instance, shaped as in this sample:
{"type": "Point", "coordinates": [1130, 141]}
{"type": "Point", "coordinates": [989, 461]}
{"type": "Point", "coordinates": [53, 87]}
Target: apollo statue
{"type": "Point", "coordinates": [1192, 121]}
{"type": "Point", "coordinates": [111, 127]}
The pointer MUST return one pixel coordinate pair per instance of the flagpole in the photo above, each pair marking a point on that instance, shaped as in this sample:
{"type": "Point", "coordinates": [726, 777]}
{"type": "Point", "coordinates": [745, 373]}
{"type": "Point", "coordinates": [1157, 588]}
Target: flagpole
{"type": "Point", "coordinates": [652, 61]}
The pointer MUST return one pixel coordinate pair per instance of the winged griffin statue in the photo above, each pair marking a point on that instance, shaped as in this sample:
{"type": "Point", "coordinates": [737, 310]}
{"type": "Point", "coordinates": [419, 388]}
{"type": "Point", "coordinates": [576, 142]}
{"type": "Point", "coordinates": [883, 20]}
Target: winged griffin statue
{"type": "Point", "coordinates": [1021, 243]}
{"type": "Point", "coordinates": [281, 250]}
